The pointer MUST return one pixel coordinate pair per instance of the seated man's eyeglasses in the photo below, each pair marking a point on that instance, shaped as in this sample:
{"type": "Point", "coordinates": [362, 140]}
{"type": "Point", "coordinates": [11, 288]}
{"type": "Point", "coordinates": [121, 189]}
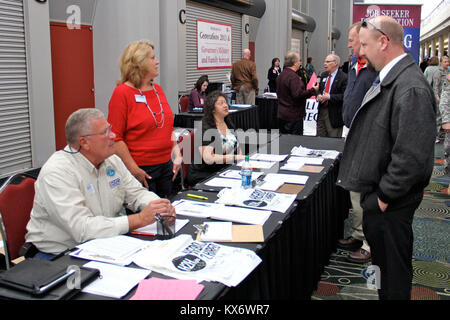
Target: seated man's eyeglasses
{"type": "Point", "coordinates": [104, 133]}
{"type": "Point", "coordinates": [365, 24]}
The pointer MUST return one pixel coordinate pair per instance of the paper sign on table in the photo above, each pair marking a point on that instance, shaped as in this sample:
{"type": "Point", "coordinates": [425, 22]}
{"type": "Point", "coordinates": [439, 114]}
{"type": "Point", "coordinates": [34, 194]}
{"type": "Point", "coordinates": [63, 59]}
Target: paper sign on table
{"type": "Point", "coordinates": [167, 289]}
{"type": "Point", "coordinates": [244, 233]}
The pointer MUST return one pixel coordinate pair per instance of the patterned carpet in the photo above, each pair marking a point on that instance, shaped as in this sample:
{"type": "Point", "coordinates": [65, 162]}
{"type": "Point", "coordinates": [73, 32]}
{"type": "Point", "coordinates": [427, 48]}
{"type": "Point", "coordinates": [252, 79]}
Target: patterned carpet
{"type": "Point", "coordinates": [343, 280]}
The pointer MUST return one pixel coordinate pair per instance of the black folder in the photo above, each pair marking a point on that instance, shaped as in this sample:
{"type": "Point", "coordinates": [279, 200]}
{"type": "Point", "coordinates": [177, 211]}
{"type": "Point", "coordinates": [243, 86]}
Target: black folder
{"type": "Point", "coordinates": [35, 279]}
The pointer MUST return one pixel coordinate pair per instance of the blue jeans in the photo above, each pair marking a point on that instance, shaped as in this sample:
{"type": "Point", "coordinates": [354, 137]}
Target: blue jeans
{"type": "Point", "coordinates": [44, 256]}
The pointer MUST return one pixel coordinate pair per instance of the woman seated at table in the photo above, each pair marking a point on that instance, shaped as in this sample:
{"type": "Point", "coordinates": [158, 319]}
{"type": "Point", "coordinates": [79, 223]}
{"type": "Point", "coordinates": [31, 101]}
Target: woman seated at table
{"type": "Point", "coordinates": [219, 145]}
{"type": "Point", "coordinates": [198, 94]}
{"type": "Point", "coordinates": [142, 120]}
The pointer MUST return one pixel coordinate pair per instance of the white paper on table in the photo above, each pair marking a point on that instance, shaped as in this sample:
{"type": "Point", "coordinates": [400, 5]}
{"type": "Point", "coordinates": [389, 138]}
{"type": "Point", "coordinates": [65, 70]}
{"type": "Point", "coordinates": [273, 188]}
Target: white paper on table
{"type": "Point", "coordinates": [258, 164]}
{"type": "Point", "coordinates": [218, 231]}
{"type": "Point", "coordinates": [193, 208]}
{"type": "Point", "coordinates": [187, 259]}
{"type": "Point", "coordinates": [286, 178]}
{"type": "Point", "coordinates": [240, 215]}
{"type": "Point", "coordinates": [268, 157]}
{"type": "Point", "coordinates": [223, 183]}
{"type": "Point", "coordinates": [236, 174]}
{"type": "Point", "coordinates": [116, 250]}
{"type": "Point", "coordinates": [221, 212]}
{"type": "Point", "coordinates": [152, 228]}
{"type": "Point", "coordinates": [314, 153]}
{"type": "Point", "coordinates": [293, 166]}
{"type": "Point", "coordinates": [115, 281]}
{"type": "Point", "coordinates": [305, 160]}
{"type": "Point", "coordinates": [256, 199]}
{"type": "Point", "coordinates": [271, 185]}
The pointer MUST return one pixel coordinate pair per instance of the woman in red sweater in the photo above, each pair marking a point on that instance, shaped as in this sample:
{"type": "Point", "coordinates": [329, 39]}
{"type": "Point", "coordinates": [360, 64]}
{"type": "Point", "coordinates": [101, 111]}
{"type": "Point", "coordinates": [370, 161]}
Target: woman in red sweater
{"type": "Point", "coordinates": [142, 120]}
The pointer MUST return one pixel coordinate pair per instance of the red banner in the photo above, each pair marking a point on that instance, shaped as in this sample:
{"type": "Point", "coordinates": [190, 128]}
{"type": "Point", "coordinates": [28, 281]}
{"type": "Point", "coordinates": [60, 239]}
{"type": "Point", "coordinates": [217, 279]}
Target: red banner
{"type": "Point", "coordinates": [407, 15]}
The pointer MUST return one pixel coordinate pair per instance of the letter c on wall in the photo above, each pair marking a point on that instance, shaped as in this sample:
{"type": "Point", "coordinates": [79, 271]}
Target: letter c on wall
{"type": "Point", "coordinates": [182, 16]}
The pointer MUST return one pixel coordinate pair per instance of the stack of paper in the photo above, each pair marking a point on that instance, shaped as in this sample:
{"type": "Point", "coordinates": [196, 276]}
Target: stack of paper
{"type": "Point", "coordinates": [116, 250]}
{"type": "Point", "coordinates": [258, 164]}
{"type": "Point", "coordinates": [114, 281]}
{"type": "Point", "coordinates": [223, 183]}
{"type": "Point", "coordinates": [306, 160]}
{"type": "Point", "coordinates": [306, 152]}
{"type": "Point", "coordinates": [268, 157]}
{"type": "Point", "coordinates": [217, 231]}
{"type": "Point", "coordinates": [167, 289]}
{"type": "Point", "coordinates": [256, 199]}
{"type": "Point", "coordinates": [221, 212]}
{"type": "Point", "coordinates": [296, 163]}
{"type": "Point", "coordinates": [273, 181]}
{"type": "Point", "coordinates": [270, 94]}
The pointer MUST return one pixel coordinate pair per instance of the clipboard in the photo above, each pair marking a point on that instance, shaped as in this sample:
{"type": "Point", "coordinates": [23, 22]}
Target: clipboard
{"type": "Point", "coordinates": [291, 188]}
{"type": "Point", "coordinates": [311, 169]}
{"type": "Point", "coordinates": [244, 233]}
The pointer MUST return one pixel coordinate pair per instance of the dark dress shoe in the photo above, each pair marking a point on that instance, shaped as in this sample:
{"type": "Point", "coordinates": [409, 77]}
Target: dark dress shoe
{"type": "Point", "coordinates": [350, 243]}
{"type": "Point", "coordinates": [359, 256]}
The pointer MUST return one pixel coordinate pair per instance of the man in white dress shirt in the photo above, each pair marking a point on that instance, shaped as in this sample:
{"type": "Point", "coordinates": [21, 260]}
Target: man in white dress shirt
{"type": "Point", "coordinates": [81, 190]}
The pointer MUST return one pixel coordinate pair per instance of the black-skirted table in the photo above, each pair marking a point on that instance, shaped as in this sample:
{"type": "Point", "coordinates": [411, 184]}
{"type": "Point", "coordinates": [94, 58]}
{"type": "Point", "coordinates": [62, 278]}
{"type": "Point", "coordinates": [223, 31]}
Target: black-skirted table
{"type": "Point", "coordinates": [297, 253]}
{"type": "Point", "coordinates": [267, 112]}
{"type": "Point", "coordinates": [297, 244]}
{"type": "Point", "coordinates": [242, 118]}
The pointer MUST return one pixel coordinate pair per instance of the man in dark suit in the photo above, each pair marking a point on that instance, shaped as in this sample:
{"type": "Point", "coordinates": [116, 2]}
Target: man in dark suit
{"type": "Point", "coordinates": [331, 95]}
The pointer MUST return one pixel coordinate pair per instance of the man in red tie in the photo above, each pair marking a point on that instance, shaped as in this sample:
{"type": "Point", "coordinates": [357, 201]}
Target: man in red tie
{"type": "Point", "coordinates": [332, 86]}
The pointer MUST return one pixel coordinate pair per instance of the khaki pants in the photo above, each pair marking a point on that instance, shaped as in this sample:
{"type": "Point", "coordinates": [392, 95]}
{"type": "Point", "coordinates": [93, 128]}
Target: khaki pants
{"type": "Point", "coordinates": [358, 220]}
{"type": "Point", "coordinates": [243, 96]}
{"type": "Point", "coordinates": [324, 128]}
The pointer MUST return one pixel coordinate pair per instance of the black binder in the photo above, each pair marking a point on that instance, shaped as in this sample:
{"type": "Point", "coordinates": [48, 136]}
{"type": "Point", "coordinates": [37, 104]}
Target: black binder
{"type": "Point", "coordinates": [44, 280]}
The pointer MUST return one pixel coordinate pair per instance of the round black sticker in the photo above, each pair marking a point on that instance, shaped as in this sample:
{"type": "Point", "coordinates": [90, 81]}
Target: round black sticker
{"type": "Point", "coordinates": [189, 263]}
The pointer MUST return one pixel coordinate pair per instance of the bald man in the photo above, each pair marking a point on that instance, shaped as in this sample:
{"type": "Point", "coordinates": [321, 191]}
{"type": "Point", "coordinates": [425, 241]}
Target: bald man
{"type": "Point", "coordinates": [389, 153]}
{"type": "Point", "coordinates": [244, 79]}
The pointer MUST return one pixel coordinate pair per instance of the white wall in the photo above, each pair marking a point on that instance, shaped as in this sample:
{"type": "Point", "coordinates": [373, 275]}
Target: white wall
{"type": "Point", "coordinates": [273, 37]}
{"type": "Point", "coordinates": [343, 22]}
{"type": "Point", "coordinates": [117, 23]}
{"type": "Point", "coordinates": [172, 68]}
{"type": "Point", "coordinates": [40, 90]}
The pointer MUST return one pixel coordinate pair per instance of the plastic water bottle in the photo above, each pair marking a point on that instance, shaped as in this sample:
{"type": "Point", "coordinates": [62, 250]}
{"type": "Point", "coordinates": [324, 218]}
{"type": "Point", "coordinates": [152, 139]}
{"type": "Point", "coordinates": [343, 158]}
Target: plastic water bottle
{"type": "Point", "coordinates": [246, 174]}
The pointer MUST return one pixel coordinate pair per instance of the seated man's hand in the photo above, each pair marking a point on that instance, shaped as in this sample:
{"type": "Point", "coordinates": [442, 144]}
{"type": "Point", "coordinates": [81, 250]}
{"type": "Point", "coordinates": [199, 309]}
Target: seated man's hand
{"type": "Point", "coordinates": [161, 206]}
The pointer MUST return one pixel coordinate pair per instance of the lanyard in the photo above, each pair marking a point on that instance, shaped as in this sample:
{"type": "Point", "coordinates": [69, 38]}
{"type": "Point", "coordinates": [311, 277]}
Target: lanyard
{"type": "Point", "coordinates": [160, 124]}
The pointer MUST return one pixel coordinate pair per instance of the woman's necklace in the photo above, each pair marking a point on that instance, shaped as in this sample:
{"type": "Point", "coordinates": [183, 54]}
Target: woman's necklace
{"type": "Point", "coordinates": [160, 124]}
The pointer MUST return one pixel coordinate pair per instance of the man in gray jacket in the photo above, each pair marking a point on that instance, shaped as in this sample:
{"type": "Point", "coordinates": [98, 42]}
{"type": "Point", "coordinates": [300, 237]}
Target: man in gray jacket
{"type": "Point", "coordinates": [389, 153]}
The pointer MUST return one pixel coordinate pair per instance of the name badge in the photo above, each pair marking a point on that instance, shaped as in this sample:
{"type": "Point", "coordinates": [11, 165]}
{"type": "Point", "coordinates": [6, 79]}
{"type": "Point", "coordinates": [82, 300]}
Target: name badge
{"type": "Point", "coordinates": [114, 183]}
{"type": "Point", "coordinates": [140, 98]}
{"type": "Point", "coordinates": [90, 189]}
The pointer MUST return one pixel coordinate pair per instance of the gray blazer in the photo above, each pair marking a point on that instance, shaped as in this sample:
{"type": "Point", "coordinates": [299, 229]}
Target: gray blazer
{"type": "Point", "coordinates": [390, 146]}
